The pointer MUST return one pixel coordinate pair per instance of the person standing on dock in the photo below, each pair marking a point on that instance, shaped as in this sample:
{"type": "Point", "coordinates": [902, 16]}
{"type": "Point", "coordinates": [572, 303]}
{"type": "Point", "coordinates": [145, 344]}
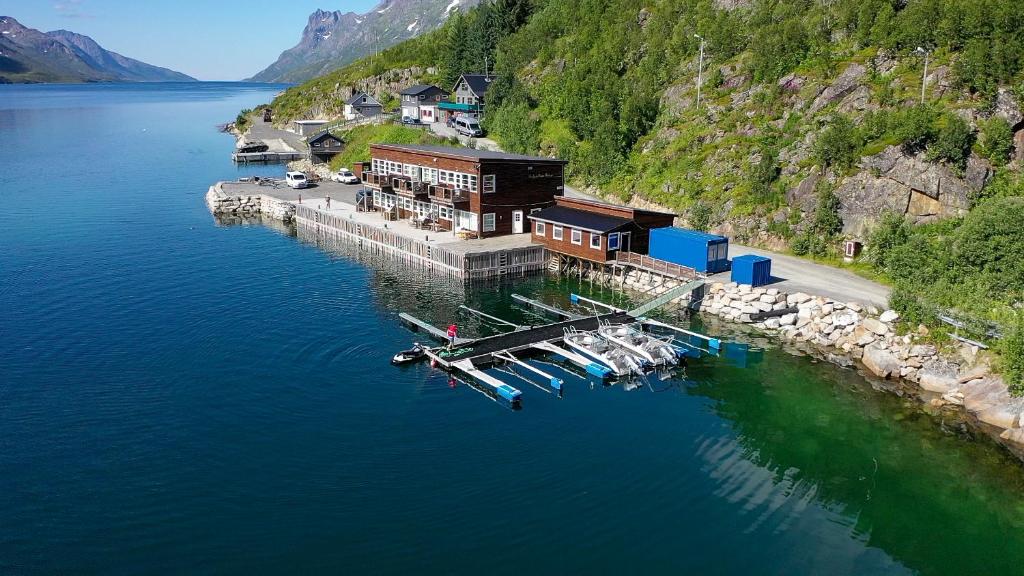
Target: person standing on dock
{"type": "Point", "coordinates": [453, 331]}
{"type": "Point", "coordinates": [328, 199]}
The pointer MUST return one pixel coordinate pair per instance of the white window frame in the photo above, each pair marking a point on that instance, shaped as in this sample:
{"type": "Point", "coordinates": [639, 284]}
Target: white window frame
{"type": "Point", "coordinates": [576, 236]}
{"type": "Point", "coordinates": [538, 228]}
{"type": "Point", "coordinates": [494, 221]}
{"type": "Point", "coordinates": [557, 233]}
{"type": "Point", "coordinates": [595, 236]}
{"type": "Point", "coordinates": [613, 241]}
{"type": "Point", "coordinates": [489, 184]}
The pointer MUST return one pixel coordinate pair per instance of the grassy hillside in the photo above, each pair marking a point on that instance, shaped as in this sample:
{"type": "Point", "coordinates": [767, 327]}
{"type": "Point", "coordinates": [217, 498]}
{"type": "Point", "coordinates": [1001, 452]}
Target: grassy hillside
{"type": "Point", "coordinates": [358, 140]}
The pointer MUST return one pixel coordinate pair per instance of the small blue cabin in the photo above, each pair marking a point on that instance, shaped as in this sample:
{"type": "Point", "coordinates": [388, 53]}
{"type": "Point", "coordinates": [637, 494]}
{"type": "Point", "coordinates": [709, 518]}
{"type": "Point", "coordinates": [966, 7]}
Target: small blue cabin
{"type": "Point", "coordinates": [752, 269]}
{"type": "Point", "coordinates": [708, 253]}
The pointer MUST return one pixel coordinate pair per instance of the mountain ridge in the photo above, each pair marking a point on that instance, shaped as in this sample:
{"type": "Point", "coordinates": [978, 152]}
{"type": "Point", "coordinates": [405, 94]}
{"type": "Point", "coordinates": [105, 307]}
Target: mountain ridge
{"type": "Point", "coordinates": [332, 39]}
{"type": "Point", "coordinates": [28, 55]}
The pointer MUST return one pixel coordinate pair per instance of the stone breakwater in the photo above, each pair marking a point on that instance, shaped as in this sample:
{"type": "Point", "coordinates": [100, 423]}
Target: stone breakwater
{"type": "Point", "coordinates": [223, 204]}
{"type": "Point", "coordinates": [847, 332]}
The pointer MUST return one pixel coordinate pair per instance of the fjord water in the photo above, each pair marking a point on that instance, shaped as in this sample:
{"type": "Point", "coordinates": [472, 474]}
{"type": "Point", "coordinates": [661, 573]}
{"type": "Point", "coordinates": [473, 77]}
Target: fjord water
{"type": "Point", "coordinates": [178, 396]}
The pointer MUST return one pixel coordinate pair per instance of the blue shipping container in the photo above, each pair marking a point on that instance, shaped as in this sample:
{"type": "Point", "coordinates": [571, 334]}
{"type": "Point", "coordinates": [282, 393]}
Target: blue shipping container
{"type": "Point", "coordinates": [698, 250]}
{"type": "Point", "coordinates": [751, 269]}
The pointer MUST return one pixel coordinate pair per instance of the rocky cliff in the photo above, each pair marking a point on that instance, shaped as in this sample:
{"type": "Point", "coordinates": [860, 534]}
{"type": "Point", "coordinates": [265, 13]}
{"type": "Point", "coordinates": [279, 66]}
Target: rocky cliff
{"type": "Point", "coordinates": [28, 55]}
{"type": "Point", "coordinates": [334, 39]}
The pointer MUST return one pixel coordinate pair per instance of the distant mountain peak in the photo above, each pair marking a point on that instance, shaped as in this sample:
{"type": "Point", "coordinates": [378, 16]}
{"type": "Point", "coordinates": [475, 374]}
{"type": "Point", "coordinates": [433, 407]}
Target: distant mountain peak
{"type": "Point", "coordinates": [28, 55]}
{"type": "Point", "coordinates": [332, 39]}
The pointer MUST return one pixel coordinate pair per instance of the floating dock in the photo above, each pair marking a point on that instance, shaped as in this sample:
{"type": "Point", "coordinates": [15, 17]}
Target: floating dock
{"type": "Point", "coordinates": [266, 157]}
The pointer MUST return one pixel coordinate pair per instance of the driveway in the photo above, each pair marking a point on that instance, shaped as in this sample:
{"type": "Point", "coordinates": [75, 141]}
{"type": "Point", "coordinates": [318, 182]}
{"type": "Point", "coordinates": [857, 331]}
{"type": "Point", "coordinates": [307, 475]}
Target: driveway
{"type": "Point", "coordinates": [793, 274]}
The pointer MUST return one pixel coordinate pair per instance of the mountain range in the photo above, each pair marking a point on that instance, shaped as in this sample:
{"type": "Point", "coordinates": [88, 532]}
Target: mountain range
{"type": "Point", "coordinates": [333, 39]}
{"type": "Point", "coordinates": [30, 56]}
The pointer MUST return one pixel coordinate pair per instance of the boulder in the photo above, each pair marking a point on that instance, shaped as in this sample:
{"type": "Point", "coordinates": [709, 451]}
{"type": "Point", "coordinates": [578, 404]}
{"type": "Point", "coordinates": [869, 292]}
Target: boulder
{"type": "Point", "coordinates": [980, 395]}
{"type": "Point", "coordinates": [844, 85]}
{"type": "Point", "coordinates": [880, 362]}
{"type": "Point", "coordinates": [1008, 108]}
{"type": "Point", "coordinates": [923, 350]}
{"type": "Point", "coordinates": [937, 377]}
{"type": "Point", "coordinates": [889, 316]}
{"type": "Point", "coordinates": [1001, 415]}
{"type": "Point", "coordinates": [875, 326]}
{"type": "Point", "coordinates": [1015, 435]}
{"type": "Point", "coordinates": [979, 371]}
{"type": "Point", "coordinates": [787, 319]}
{"type": "Point", "coordinates": [772, 323]}
{"type": "Point", "coordinates": [797, 298]}
{"type": "Point", "coordinates": [844, 319]}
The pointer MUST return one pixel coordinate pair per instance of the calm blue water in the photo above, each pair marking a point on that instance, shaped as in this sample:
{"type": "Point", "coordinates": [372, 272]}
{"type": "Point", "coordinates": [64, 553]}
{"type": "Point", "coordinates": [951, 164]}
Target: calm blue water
{"type": "Point", "coordinates": [178, 396]}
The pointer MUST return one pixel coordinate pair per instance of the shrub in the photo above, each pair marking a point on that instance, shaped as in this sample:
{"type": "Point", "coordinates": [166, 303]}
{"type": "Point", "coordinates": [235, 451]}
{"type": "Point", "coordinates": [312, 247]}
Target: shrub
{"type": "Point", "coordinates": [1011, 354]}
{"type": "Point", "coordinates": [916, 128]}
{"type": "Point", "coordinates": [838, 144]}
{"type": "Point", "coordinates": [952, 142]}
{"type": "Point", "coordinates": [700, 217]}
{"type": "Point", "coordinates": [892, 231]}
{"type": "Point", "coordinates": [763, 174]}
{"type": "Point", "coordinates": [996, 140]}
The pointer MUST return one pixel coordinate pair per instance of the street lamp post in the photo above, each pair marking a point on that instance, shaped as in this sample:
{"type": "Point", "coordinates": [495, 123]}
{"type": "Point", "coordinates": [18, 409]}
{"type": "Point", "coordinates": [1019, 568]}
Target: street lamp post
{"type": "Point", "coordinates": [700, 67]}
{"type": "Point", "coordinates": [924, 75]}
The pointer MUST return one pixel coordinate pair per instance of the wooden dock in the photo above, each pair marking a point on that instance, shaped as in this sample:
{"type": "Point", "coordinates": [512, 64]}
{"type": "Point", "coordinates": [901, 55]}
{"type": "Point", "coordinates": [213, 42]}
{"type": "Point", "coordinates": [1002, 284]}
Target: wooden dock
{"type": "Point", "coordinates": [266, 157]}
{"type": "Point", "coordinates": [466, 259]}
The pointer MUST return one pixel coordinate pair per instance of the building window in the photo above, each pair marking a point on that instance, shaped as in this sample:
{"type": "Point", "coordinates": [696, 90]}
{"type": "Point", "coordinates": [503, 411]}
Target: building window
{"type": "Point", "coordinates": [538, 227]}
{"type": "Point", "coordinates": [595, 241]}
{"type": "Point", "coordinates": [489, 184]}
{"type": "Point", "coordinates": [489, 222]}
{"type": "Point", "coordinates": [556, 232]}
{"type": "Point", "coordinates": [576, 237]}
{"type": "Point", "coordinates": [613, 241]}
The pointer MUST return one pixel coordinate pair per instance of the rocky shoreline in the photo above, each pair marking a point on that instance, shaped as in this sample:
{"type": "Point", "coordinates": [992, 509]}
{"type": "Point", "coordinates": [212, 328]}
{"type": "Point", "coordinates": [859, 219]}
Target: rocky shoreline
{"type": "Point", "coordinates": [847, 334]}
{"type": "Point", "coordinates": [222, 203]}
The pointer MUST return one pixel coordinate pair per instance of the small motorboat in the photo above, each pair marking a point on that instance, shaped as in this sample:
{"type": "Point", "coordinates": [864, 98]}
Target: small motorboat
{"type": "Point", "coordinates": [417, 352]}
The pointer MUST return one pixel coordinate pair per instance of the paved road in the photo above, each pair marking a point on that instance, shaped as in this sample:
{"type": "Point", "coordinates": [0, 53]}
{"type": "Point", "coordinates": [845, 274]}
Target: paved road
{"type": "Point", "coordinates": [265, 131]}
{"type": "Point", "coordinates": [794, 274]}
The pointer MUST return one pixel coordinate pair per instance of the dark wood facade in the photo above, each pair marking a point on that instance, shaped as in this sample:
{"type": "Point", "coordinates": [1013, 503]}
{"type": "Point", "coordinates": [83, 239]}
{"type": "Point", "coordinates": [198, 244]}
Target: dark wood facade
{"type": "Point", "coordinates": [596, 231]}
{"type": "Point", "coordinates": [323, 147]}
{"type": "Point", "coordinates": [481, 192]}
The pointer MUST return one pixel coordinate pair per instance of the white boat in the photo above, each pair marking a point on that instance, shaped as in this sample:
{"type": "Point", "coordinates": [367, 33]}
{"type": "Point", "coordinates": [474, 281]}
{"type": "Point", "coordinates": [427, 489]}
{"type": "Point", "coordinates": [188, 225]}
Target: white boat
{"type": "Point", "coordinates": [654, 351]}
{"type": "Point", "coordinates": [591, 345]}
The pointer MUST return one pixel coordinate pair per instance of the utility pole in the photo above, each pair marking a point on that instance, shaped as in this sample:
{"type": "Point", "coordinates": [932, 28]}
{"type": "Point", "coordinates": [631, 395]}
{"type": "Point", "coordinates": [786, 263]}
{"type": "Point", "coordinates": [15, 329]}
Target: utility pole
{"type": "Point", "coordinates": [700, 67]}
{"type": "Point", "coordinates": [924, 75]}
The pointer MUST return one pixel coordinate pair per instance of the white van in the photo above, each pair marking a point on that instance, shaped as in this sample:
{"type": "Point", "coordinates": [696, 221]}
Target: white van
{"type": "Point", "coordinates": [296, 180]}
{"type": "Point", "coordinates": [468, 126]}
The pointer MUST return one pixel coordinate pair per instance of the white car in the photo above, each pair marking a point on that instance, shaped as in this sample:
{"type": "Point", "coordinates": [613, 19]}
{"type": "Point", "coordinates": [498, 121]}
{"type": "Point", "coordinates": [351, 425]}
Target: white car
{"type": "Point", "coordinates": [296, 180]}
{"type": "Point", "coordinates": [345, 176]}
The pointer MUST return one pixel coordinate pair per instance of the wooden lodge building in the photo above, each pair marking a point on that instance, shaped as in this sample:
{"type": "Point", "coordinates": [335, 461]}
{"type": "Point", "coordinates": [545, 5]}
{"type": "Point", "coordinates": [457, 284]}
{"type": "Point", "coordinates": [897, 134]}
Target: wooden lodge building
{"type": "Point", "coordinates": [595, 231]}
{"type": "Point", "coordinates": [479, 193]}
{"type": "Point", "coordinates": [323, 147]}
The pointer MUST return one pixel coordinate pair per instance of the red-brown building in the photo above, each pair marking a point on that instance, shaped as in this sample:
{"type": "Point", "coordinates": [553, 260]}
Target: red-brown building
{"type": "Point", "coordinates": [595, 231]}
{"type": "Point", "coordinates": [462, 189]}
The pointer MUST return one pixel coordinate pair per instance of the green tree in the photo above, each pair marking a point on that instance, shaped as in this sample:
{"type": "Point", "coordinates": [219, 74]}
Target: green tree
{"type": "Point", "coordinates": [838, 144]}
{"type": "Point", "coordinates": [996, 140]}
{"type": "Point", "coordinates": [952, 142]}
{"type": "Point", "coordinates": [1011, 353]}
{"type": "Point", "coordinates": [518, 130]}
{"type": "Point", "coordinates": [916, 128]}
{"type": "Point", "coordinates": [892, 231]}
{"type": "Point", "coordinates": [764, 174]}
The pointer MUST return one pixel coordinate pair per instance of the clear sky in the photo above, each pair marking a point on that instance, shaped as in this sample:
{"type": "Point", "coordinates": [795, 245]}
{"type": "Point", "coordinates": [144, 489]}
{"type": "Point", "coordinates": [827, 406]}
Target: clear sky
{"type": "Point", "coordinates": [207, 39]}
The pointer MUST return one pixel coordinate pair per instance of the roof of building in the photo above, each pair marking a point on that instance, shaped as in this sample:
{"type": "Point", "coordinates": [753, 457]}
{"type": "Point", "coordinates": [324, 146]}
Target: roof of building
{"type": "Point", "coordinates": [577, 202]}
{"type": "Point", "coordinates": [419, 89]}
{"type": "Point", "coordinates": [582, 219]}
{"type": "Point", "coordinates": [311, 122]}
{"type": "Point", "coordinates": [458, 107]}
{"type": "Point", "coordinates": [321, 135]}
{"type": "Point", "coordinates": [355, 99]}
{"type": "Point", "coordinates": [466, 153]}
{"type": "Point", "coordinates": [690, 234]}
{"type": "Point", "coordinates": [478, 83]}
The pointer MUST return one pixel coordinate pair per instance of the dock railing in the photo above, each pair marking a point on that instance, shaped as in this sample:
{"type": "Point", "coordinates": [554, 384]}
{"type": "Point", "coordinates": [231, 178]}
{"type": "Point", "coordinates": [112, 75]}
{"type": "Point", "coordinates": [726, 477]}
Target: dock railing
{"type": "Point", "coordinates": [649, 264]}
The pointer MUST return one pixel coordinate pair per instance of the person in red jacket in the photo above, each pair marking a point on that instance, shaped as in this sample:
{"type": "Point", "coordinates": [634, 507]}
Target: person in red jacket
{"type": "Point", "coordinates": [453, 331]}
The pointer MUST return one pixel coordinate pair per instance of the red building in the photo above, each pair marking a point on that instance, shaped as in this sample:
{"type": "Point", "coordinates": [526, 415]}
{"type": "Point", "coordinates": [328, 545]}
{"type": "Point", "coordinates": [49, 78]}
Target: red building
{"type": "Point", "coordinates": [479, 192]}
{"type": "Point", "coordinates": [595, 231]}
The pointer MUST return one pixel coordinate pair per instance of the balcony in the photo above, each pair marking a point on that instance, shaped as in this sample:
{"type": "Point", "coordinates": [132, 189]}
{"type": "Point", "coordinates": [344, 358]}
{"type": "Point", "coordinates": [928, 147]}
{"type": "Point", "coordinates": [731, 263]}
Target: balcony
{"type": "Point", "coordinates": [404, 186]}
{"type": "Point", "coordinates": [446, 194]}
{"type": "Point", "coordinates": [377, 180]}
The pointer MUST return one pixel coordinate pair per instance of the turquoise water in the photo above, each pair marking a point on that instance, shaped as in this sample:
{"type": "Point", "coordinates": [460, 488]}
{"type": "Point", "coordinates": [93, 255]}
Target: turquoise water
{"type": "Point", "coordinates": [179, 396]}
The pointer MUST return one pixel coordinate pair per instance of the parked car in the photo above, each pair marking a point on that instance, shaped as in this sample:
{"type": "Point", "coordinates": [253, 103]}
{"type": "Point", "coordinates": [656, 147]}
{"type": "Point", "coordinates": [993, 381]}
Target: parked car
{"type": "Point", "coordinates": [296, 180]}
{"type": "Point", "coordinates": [345, 176]}
{"type": "Point", "coordinates": [410, 120]}
{"type": "Point", "coordinates": [468, 126]}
